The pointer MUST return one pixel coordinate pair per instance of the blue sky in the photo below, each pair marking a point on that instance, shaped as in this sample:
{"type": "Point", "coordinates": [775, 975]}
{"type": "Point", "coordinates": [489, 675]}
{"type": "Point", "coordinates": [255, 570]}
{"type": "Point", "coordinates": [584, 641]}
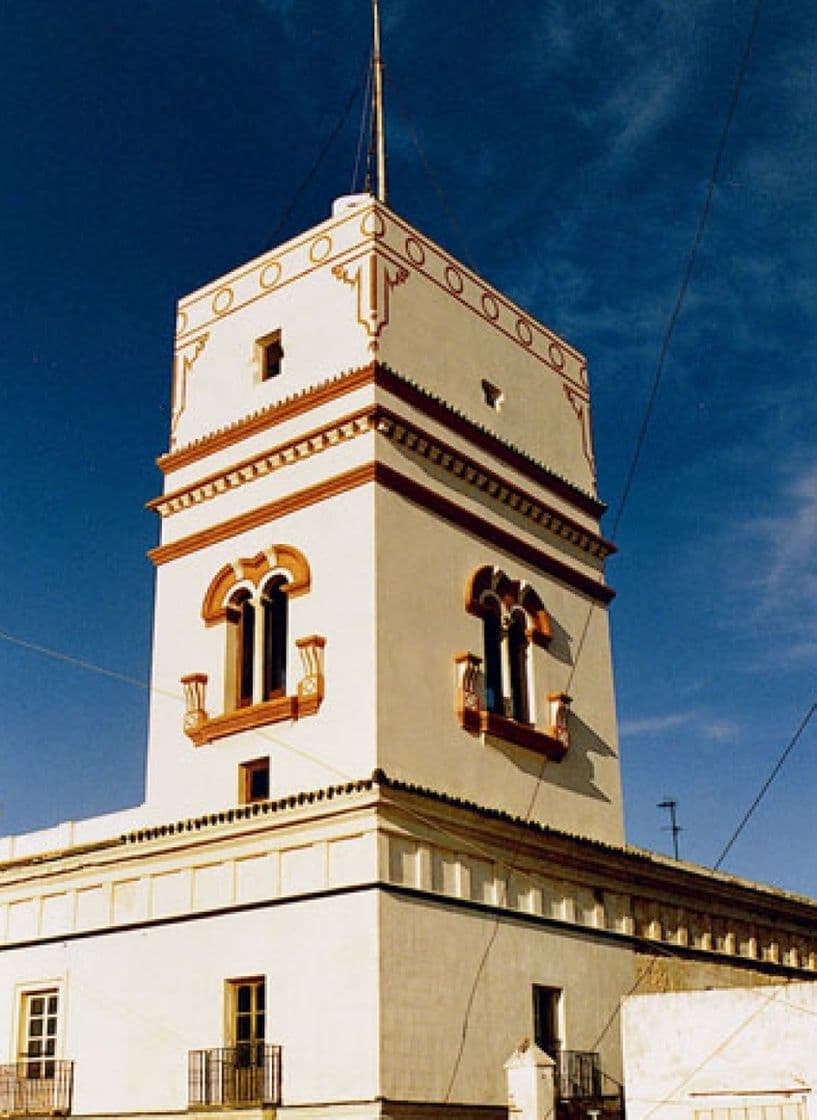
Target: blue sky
{"type": "Point", "coordinates": [149, 147]}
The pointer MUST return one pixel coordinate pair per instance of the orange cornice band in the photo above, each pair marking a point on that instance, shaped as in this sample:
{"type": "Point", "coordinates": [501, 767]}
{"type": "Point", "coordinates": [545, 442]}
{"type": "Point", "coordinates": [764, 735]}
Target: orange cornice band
{"type": "Point", "coordinates": [407, 488]}
{"type": "Point", "coordinates": [375, 373]}
{"type": "Point", "coordinates": [267, 418]}
{"type": "Point", "coordinates": [270, 511]}
{"type": "Point", "coordinates": [492, 533]}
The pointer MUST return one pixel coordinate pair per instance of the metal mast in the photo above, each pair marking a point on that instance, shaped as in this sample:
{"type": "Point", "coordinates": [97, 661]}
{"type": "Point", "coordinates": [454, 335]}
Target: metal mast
{"type": "Point", "coordinates": [674, 827]}
{"type": "Point", "coordinates": [379, 128]}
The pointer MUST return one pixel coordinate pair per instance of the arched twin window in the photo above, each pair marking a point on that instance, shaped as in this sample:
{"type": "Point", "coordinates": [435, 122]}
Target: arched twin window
{"type": "Point", "coordinates": [512, 618]}
{"type": "Point", "coordinates": [252, 597]}
{"type": "Point", "coordinates": [248, 603]}
{"type": "Point", "coordinates": [257, 643]}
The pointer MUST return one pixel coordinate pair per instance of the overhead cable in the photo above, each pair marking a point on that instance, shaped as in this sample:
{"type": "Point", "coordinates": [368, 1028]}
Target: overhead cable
{"type": "Point", "coordinates": [763, 789]}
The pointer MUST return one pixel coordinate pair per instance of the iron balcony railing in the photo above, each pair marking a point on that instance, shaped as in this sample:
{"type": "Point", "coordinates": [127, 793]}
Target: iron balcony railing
{"type": "Point", "coordinates": [578, 1074]}
{"type": "Point", "coordinates": [249, 1073]}
{"type": "Point", "coordinates": [36, 1087]}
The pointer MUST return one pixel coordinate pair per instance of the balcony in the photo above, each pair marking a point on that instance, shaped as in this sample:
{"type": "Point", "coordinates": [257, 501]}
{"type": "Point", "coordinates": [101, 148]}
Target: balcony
{"type": "Point", "coordinates": [36, 1087]}
{"type": "Point", "coordinates": [223, 1077]}
{"type": "Point", "coordinates": [583, 1088]}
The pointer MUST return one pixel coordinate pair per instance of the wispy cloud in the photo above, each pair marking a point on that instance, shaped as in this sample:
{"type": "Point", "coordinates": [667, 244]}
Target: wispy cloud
{"type": "Point", "coordinates": [651, 725]}
{"type": "Point", "coordinates": [784, 581]}
{"type": "Point", "coordinates": [766, 604]}
{"type": "Point", "coordinates": [699, 722]}
{"type": "Point", "coordinates": [720, 730]}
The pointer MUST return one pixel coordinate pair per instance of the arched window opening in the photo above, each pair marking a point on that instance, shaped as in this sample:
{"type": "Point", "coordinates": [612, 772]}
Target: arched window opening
{"type": "Point", "coordinates": [518, 667]}
{"type": "Point", "coordinates": [245, 649]}
{"type": "Point", "coordinates": [492, 635]}
{"type": "Point", "coordinates": [250, 598]}
{"type": "Point", "coordinates": [274, 603]}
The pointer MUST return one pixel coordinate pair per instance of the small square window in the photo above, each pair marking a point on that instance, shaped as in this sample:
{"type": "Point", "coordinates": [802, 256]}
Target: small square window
{"type": "Point", "coordinates": [254, 781]}
{"type": "Point", "coordinates": [270, 355]}
{"type": "Point", "coordinates": [492, 395]}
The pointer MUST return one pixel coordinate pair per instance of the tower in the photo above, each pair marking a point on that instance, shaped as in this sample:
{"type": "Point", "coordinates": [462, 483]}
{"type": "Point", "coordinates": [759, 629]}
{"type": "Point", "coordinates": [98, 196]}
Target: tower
{"type": "Point", "coordinates": [379, 545]}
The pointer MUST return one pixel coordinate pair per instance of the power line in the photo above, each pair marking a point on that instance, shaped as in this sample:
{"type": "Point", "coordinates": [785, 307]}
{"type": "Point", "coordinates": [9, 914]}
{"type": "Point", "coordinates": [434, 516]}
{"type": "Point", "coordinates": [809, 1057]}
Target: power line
{"type": "Point", "coordinates": [260, 732]}
{"type": "Point", "coordinates": [435, 183]}
{"type": "Point", "coordinates": [461, 841]}
{"type": "Point", "coordinates": [630, 473]}
{"type": "Point", "coordinates": [365, 127]}
{"type": "Point", "coordinates": [733, 1034]}
{"type": "Point", "coordinates": [690, 264]}
{"type": "Point", "coordinates": [775, 771]}
{"type": "Point", "coordinates": [313, 170]}
{"type": "Point", "coordinates": [636, 456]}
{"type": "Point", "coordinates": [78, 662]}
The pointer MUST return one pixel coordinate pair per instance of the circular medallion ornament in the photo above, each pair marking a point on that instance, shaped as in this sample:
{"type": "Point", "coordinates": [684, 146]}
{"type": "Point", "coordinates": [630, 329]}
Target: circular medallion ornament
{"type": "Point", "coordinates": [223, 300]}
{"type": "Point", "coordinates": [181, 322]}
{"type": "Point", "coordinates": [523, 332]}
{"type": "Point", "coordinates": [320, 248]}
{"type": "Point", "coordinates": [489, 306]}
{"type": "Point", "coordinates": [557, 355]}
{"type": "Point", "coordinates": [453, 279]}
{"type": "Point", "coordinates": [372, 224]}
{"type": "Point", "coordinates": [415, 251]}
{"type": "Point", "coordinates": [270, 274]}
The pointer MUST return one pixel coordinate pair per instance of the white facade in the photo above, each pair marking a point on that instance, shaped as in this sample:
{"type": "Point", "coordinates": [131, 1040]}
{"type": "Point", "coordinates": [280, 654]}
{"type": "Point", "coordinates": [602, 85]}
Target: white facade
{"type": "Point", "coordinates": [735, 1054]}
{"type": "Point", "coordinates": [388, 569]}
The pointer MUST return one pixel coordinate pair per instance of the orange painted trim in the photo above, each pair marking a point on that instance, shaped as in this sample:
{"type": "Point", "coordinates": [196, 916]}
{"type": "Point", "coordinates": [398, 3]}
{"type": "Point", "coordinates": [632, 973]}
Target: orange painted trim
{"type": "Point", "coordinates": [512, 592]}
{"type": "Point", "coordinates": [557, 523]}
{"type": "Point", "coordinates": [375, 373]}
{"type": "Point", "coordinates": [492, 533]}
{"type": "Point", "coordinates": [215, 608]}
{"type": "Point", "coordinates": [262, 515]}
{"type": "Point", "coordinates": [522, 735]}
{"type": "Point", "coordinates": [246, 719]}
{"type": "Point", "coordinates": [243, 465]}
{"type": "Point", "coordinates": [403, 431]}
{"type": "Point", "coordinates": [479, 282]}
{"type": "Point", "coordinates": [266, 418]}
{"type": "Point", "coordinates": [407, 488]}
{"type": "Point", "coordinates": [478, 435]}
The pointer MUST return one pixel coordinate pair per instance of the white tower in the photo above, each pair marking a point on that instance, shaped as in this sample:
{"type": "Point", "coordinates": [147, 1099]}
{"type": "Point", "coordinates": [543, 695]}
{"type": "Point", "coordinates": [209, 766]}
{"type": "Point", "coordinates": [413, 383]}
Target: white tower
{"type": "Point", "coordinates": [380, 539]}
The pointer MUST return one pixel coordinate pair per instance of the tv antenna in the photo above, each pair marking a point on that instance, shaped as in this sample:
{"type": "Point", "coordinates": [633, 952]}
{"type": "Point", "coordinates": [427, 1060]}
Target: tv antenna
{"type": "Point", "coordinates": [673, 827]}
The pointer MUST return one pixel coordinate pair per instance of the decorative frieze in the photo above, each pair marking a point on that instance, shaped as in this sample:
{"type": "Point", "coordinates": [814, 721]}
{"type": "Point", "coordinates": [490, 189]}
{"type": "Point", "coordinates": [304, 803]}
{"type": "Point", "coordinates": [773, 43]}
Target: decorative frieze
{"type": "Point", "coordinates": [398, 430]}
{"type": "Point", "coordinates": [461, 875]}
{"type": "Point", "coordinates": [481, 478]}
{"type": "Point", "coordinates": [273, 868]}
{"type": "Point", "coordinates": [282, 455]}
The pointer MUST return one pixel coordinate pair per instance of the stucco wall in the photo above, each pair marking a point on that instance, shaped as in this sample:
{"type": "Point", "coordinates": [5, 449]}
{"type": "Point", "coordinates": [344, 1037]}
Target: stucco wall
{"type": "Point", "coordinates": [423, 567]}
{"type": "Point", "coordinates": [737, 1053]}
{"type": "Point", "coordinates": [337, 538]}
{"type": "Point", "coordinates": [430, 961]}
{"type": "Point", "coordinates": [135, 1002]}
